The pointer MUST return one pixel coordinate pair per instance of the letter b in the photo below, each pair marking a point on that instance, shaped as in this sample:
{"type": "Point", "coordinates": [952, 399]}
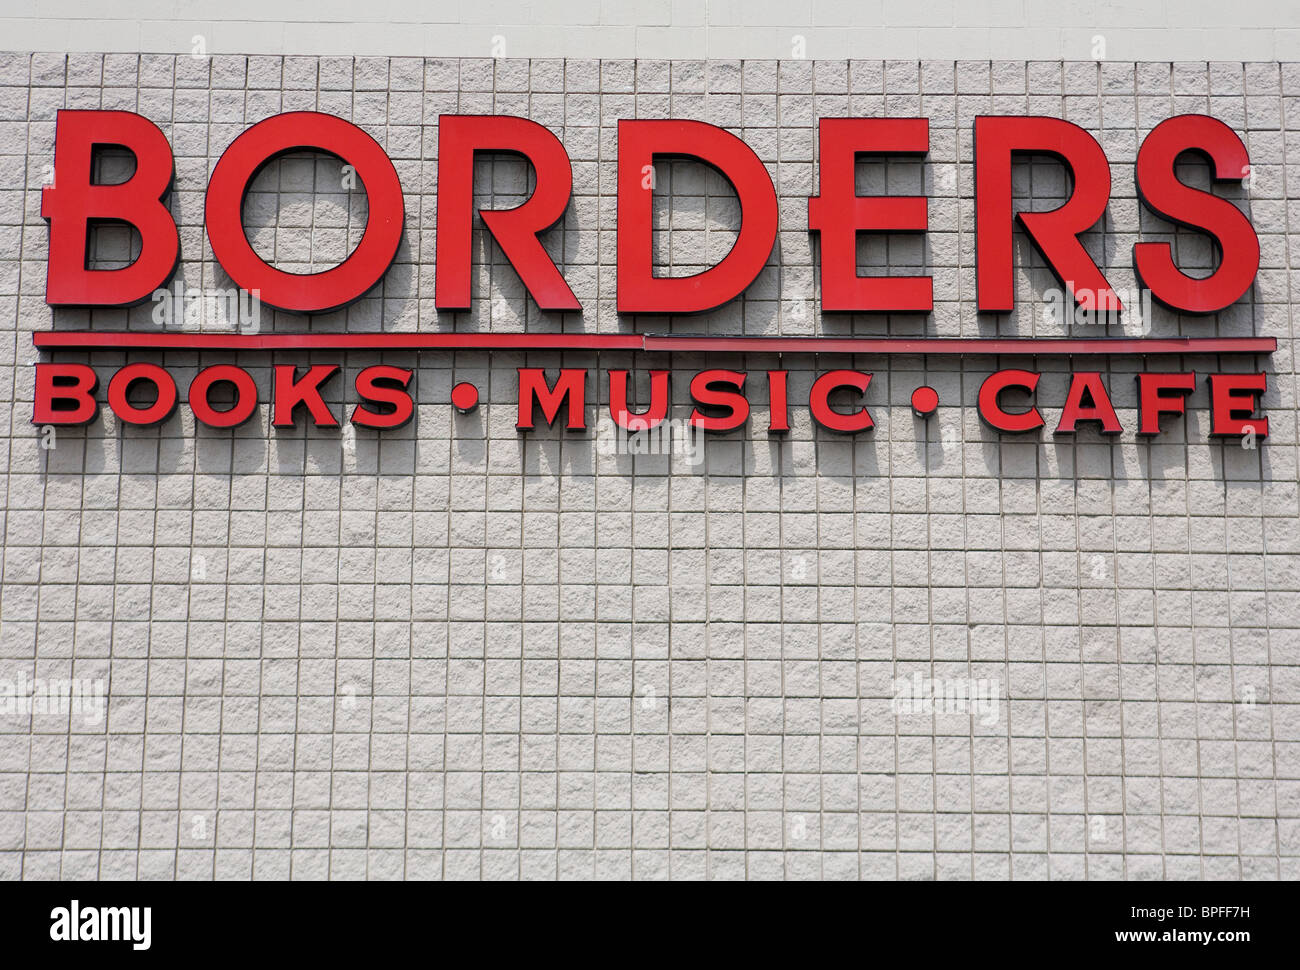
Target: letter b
{"type": "Point", "coordinates": [74, 202]}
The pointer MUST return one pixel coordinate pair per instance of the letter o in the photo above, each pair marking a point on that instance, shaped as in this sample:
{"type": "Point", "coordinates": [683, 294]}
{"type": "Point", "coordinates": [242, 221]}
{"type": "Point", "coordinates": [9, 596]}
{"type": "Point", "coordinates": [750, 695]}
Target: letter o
{"type": "Point", "coordinates": [120, 386]}
{"type": "Point", "coordinates": [266, 141]}
{"type": "Point", "coordinates": [245, 396]}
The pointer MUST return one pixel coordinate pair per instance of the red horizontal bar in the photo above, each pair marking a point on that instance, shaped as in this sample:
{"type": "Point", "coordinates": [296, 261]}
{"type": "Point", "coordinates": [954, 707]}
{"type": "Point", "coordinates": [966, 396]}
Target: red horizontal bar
{"type": "Point", "coordinates": [143, 340]}
{"type": "Point", "coordinates": [1023, 346]}
{"type": "Point", "coordinates": [969, 345]}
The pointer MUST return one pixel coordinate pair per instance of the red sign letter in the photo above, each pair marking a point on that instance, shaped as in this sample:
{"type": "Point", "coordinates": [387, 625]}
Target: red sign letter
{"type": "Point", "coordinates": [1152, 402]}
{"type": "Point", "coordinates": [839, 214]}
{"type": "Point", "coordinates": [1232, 402]}
{"type": "Point", "coordinates": [72, 387]}
{"type": "Point", "coordinates": [1163, 194]}
{"type": "Point", "coordinates": [733, 402]}
{"type": "Point", "coordinates": [639, 290]}
{"type": "Point", "coordinates": [571, 384]}
{"type": "Point", "coordinates": [1055, 233]}
{"type": "Point", "coordinates": [382, 384]}
{"type": "Point", "coordinates": [515, 230]}
{"type": "Point", "coordinates": [778, 421]}
{"type": "Point", "coordinates": [245, 396]}
{"type": "Point", "coordinates": [990, 406]}
{"type": "Point", "coordinates": [119, 391]}
{"type": "Point", "coordinates": [653, 416]}
{"type": "Point", "coordinates": [291, 392]}
{"type": "Point", "coordinates": [311, 292]}
{"type": "Point", "coordinates": [1098, 407]}
{"type": "Point", "coordinates": [73, 202]}
{"type": "Point", "coordinates": [828, 417]}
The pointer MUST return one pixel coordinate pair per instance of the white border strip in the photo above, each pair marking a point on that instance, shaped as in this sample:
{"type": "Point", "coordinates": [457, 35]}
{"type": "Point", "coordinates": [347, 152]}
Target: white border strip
{"type": "Point", "coordinates": [1273, 36]}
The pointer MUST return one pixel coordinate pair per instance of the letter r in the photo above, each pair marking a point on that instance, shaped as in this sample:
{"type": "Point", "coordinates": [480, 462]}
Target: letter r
{"type": "Point", "coordinates": [515, 230]}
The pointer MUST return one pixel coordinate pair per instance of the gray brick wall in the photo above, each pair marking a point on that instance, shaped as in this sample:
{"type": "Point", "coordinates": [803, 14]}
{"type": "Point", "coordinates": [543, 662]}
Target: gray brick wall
{"type": "Point", "coordinates": [454, 651]}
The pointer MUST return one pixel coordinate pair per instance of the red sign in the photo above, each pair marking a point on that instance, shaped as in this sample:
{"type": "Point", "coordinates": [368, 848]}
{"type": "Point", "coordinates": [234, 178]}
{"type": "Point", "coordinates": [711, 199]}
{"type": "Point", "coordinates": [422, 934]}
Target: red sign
{"type": "Point", "coordinates": [837, 215]}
